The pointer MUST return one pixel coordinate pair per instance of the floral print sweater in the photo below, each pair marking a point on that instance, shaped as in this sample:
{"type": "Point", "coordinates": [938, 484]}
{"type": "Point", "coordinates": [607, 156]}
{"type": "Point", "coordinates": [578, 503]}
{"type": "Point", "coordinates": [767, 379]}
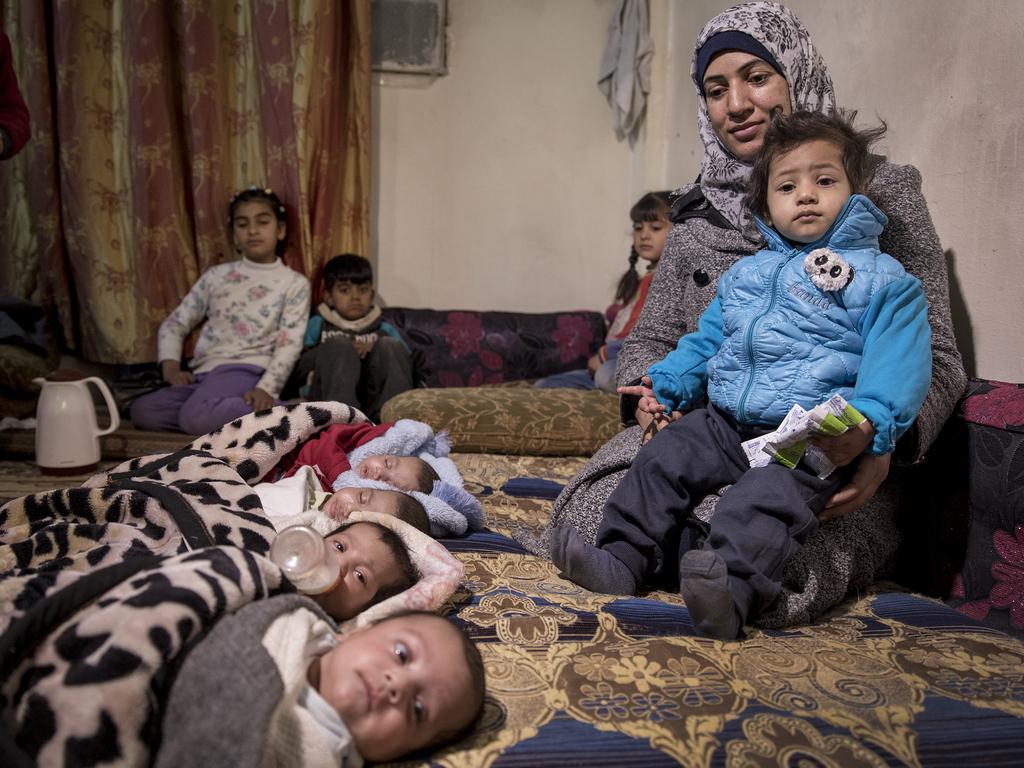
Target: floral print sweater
{"type": "Point", "coordinates": [255, 314]}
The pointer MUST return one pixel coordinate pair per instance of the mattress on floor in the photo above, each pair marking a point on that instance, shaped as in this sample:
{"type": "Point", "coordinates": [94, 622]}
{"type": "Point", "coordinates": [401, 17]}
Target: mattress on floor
{"type": "Point", "coordinates": [576, 678]}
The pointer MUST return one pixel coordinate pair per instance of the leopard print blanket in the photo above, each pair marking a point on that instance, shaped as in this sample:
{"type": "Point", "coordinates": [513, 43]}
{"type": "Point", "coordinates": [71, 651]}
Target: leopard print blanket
{"type": "Point", "coordinates": [86, 676]}
{"type": "Point", "coordinates": [158, 505]}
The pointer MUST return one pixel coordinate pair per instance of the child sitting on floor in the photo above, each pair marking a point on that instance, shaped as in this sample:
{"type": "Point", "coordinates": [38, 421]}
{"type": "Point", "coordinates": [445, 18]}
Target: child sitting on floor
{"type": "Point", "coordinates": [651, 226]}
{"type": "Point", "coordinates": [820, 311]}
{"type": "Point", "coordinates": [255, 309]}
{"type": "Point", "coordinates": [351, 355]}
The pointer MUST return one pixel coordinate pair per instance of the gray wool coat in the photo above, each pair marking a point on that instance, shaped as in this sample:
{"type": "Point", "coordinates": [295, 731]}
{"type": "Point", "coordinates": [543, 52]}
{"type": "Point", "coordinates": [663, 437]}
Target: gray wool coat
{"type": "Point", "coordinates": [843, 556]}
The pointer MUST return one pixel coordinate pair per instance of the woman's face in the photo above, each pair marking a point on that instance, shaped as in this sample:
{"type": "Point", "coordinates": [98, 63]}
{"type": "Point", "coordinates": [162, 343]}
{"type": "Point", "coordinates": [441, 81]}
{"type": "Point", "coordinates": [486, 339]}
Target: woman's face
{"type": "Point", "coordinates": [741, 91]}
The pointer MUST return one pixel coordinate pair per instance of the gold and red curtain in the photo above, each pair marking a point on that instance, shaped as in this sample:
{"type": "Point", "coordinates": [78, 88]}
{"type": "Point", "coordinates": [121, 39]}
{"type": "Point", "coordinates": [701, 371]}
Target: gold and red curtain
{"type": "Point", "coordinates": [147, 116]}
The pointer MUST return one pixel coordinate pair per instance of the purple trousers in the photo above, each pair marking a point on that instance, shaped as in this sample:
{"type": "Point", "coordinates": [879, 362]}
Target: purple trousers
{"type": "Point", "coordinates": [214, 399]}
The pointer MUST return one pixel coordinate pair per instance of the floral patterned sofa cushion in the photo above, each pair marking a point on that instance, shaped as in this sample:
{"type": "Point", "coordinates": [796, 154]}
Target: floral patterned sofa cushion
{"type": "Point", "coordinates": [459, 348]}
{"type": "Point", "coordinates": [990, 584]}
{"type": "Point", "coordinates": [519, 420]}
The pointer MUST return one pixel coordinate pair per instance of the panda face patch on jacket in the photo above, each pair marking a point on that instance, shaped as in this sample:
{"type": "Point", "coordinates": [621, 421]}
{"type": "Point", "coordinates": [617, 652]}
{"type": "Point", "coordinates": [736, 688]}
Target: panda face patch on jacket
{"type": "Point", "coordinates": [827, 269]}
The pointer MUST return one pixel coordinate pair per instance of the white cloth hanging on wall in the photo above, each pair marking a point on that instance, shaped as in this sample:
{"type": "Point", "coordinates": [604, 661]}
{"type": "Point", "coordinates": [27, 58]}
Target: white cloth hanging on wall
{"type": "Point", "coordinates": [625, 75]}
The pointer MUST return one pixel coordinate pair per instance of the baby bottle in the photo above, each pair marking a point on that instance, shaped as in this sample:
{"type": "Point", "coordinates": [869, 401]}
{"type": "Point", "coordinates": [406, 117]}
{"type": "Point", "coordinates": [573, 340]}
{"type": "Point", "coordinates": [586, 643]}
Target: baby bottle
{"type": "Point", "coordinates": [306, 559]}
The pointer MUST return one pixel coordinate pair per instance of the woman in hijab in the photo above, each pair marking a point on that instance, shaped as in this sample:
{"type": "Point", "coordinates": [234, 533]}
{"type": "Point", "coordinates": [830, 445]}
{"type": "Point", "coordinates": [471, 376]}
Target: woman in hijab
{"type": "Point", "coordinates": [749, 62]}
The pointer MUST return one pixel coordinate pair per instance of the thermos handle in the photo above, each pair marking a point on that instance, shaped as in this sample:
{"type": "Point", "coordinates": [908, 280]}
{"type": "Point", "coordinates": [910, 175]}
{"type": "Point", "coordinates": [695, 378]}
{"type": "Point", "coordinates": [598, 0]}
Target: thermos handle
{"type": "Point", "coordinates": [115, 418]}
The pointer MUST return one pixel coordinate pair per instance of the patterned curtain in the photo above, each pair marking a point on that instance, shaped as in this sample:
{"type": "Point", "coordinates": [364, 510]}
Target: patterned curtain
{"type": "Point", "coordinates": [147, 116]}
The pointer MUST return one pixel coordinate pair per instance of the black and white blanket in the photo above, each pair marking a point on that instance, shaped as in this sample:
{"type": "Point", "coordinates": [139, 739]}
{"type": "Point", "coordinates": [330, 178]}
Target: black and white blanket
{"type": "Point", "coordinates": [157, 505]}
{"type": "Point", "coordinates": [88, 670]}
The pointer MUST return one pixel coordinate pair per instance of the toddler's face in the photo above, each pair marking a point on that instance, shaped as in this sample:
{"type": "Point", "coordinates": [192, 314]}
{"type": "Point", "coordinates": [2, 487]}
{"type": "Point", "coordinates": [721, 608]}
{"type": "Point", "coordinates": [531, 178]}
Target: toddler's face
{"type": "Point", "coordinates": [350, 300]}
{"type": "Point", "coordinates": [366, 565]}
{"type": "Point", "coordinates": [347, 500]}
{"type": "Point", "coordinates": [399, 685]}
{"type": "Point", "coordinates": [807, 188]}
{"type": "Point", "coordinates": [399, 471]}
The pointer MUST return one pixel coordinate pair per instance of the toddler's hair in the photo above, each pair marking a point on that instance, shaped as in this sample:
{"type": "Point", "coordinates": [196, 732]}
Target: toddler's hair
{"type": "Point", "coordinates": [409, 573]}
{"type": "Point", "coordinates": [477, 674]}
{"type": "Point", "coordinates": [412, 512]}
{"type": "Point", "coordinates": [264, 195]}
{"type": "Point", "coordinates": [787, 132]}
{"type": "Point", "coordinates": [348, 267]}
{"type": "Point", "coordinates": [650, 207]}
{"type": "Point", "coordinates": [425, 476]}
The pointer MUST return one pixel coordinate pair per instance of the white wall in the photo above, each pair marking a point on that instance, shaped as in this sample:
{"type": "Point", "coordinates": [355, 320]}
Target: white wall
{"type": "Point", "coordinates": [501, 185]}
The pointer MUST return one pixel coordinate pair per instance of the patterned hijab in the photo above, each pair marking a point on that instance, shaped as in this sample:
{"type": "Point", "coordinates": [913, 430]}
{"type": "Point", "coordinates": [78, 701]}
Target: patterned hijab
{"type": "Point", "coordinates": [723, 177]}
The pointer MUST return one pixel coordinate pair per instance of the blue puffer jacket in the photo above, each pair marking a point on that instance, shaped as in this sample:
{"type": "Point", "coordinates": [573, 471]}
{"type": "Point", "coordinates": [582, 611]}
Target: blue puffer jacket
{"type": "Point", "coordinates": [772, 337]}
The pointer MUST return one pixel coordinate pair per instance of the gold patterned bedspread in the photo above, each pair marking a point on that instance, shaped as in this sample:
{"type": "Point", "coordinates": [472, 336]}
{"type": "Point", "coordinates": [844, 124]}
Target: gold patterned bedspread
{"type": "Point", "coordinates": [576, 678]}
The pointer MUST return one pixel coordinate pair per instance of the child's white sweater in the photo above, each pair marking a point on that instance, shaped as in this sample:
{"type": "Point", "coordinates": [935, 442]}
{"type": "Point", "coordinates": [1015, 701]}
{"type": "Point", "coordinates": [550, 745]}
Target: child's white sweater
{"type": "Point", "coordinates": [255, 314]}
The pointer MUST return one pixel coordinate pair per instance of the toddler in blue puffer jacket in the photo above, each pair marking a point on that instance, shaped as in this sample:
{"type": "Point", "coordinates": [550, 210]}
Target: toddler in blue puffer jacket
{"type": "Point", "coordinates": [820, 311]}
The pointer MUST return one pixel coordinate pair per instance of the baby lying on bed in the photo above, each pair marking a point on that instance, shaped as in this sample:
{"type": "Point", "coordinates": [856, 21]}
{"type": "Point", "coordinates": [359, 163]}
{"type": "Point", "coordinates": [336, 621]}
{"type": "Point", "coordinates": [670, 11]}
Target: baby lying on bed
{"type": "Point", "coordinates": [282, 500]}
{"type": "Point", "coordinates": [234, 668]}
{"type": "Point", "coordinates": [385, 462]}
{"type": "Point", "coordinates": [407, 683]}
{"type": "Point", "coordinates": [374, 565]}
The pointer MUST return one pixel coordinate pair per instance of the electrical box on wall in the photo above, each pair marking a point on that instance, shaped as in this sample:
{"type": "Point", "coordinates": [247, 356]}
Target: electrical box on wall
{"type": "Point", "coordinates": [408, 36]}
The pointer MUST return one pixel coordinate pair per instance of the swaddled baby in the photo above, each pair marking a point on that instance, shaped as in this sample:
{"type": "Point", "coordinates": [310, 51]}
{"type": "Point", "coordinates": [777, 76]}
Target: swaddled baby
{"type": "Point", "coordinates": [404, 465]}
{"type": "Point", "coordinates": [316, 697]}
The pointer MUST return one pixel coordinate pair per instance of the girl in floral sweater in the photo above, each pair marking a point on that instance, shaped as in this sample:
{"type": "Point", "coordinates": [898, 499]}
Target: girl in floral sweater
{"type": "Point", "coordinates": [255, 311]}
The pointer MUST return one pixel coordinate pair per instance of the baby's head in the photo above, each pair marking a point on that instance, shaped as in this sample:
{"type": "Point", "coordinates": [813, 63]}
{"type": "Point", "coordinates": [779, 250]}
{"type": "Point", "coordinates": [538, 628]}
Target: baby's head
{"type": "Point", "coordinates": [407, 473]}
{"type": "Point", "coordinates": [348, 286]}
{"type": "Point", "coordinates": [375, 565]}
{"type": "Point", "coordinates": [807, 169]}
{"type": "Point", "coordinates": [400, 685]}
{"type": "Point", "coordinates": [345, 501]}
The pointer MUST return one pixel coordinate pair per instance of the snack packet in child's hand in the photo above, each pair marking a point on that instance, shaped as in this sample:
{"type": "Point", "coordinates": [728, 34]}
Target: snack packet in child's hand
{"type": "Point", "coordinates": [756, 448]}
{"type": "Point", "coordinates": [789, 443]}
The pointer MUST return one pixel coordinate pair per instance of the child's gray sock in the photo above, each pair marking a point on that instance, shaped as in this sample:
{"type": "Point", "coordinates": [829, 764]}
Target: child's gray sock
{"type": "Point", "coordinates": [588, 566]}
{"type": "Point", "coordinates": [704, 585]}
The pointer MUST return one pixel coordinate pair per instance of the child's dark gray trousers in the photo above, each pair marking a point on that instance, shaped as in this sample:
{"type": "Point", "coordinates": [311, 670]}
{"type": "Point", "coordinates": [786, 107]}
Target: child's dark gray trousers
{"type": "Point", "coordinates": [758, 524]}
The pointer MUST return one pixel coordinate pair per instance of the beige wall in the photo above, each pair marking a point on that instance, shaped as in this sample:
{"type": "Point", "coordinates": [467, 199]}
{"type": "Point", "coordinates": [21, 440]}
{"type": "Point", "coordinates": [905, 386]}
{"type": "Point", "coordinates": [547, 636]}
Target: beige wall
{"type": "Point", "coordinates": [501, 185]}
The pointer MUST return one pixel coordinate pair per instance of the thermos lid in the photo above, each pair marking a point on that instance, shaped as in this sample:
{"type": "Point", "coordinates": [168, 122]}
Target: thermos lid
{"type": "Point", "coordinates": [66, 374]}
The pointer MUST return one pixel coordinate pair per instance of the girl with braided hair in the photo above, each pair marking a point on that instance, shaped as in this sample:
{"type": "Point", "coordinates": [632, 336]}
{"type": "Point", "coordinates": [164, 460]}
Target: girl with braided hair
{"type": "Point", "coordinates": [650, 231]}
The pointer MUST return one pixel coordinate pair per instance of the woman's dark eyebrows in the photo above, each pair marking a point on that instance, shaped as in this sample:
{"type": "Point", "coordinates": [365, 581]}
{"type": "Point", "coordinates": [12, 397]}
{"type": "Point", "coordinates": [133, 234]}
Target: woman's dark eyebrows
{"type": "Point", "coordinates": [743, 69]}
{"type": "Point", "coordinates": [754, 61]}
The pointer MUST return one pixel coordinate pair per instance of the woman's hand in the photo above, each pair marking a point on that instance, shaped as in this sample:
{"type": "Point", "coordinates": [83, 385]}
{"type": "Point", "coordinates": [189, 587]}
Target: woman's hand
{"type": "Point", "coordinates": [652, 425]}
{"type": "Point", "coordinates": [871, 470]}
{"type": "Point", "coordinates": [258, 399]}
{"type": "Point", "coordinates": [593, 363]}
{"type": "Point", "coordinates": [173, 375]}
{"type": "Point", "coordinates": [845, 448]}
